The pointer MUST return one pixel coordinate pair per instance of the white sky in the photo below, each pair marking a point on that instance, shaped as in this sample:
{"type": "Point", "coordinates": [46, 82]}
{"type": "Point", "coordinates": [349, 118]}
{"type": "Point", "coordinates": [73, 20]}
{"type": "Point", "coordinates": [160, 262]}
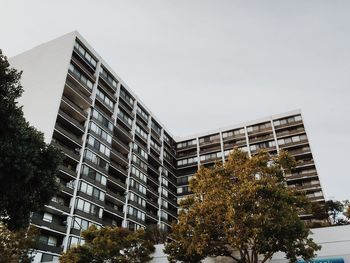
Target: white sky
{"type": "Point", "coordinates": [200, 65]}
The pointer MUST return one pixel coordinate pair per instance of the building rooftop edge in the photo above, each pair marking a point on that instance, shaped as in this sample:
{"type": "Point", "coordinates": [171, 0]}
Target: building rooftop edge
{"type": "Point", "coordinates": [235, 126]}
{"type": "Point", "coordinates": [76, 34]}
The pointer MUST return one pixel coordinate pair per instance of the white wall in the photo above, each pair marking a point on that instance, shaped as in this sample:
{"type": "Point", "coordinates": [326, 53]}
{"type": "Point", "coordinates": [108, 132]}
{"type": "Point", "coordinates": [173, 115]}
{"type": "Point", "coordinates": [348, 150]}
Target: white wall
{"type": "Point", "coordinates": [335, 242]}
{"type": "Point", "coordinates": [44, 71]}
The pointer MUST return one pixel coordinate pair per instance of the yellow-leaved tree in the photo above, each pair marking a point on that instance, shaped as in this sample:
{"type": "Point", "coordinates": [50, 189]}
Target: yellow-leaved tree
{"type": "Point", "coordinates": [242, 210]}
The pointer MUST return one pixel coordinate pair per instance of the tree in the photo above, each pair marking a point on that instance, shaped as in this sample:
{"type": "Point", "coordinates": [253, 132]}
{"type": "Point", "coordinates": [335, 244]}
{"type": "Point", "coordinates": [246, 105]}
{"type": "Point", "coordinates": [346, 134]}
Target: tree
{"type": "Point", "coordinates": [15, 245]}
{"type": "Point", "coordinates": [155, 234]}
{"type": "Point", "coordinates": [332, 213]}
{"type": "Point", "coordinates": [242, 210]}
{"type": "Point", "coordinates": [114, 245]}
{"type": "Point", "coordinates": [27, 165]}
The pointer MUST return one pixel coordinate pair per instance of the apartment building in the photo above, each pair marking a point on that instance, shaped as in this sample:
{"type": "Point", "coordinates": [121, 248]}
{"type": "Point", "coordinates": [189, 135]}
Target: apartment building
{"type": "Point", "coordinates": [122, 167]}
{"type": "Point", "coordinates": [273, 134]}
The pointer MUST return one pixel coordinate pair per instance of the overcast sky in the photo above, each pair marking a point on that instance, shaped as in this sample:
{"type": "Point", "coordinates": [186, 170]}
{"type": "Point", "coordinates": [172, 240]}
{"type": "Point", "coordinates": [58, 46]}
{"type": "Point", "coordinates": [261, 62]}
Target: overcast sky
{"type": "Point", "coordinates": [200, 65]}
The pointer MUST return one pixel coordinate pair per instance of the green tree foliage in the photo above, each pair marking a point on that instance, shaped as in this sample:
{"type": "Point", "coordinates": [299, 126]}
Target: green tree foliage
{"type": "Point", "coordinates": [114, 245]}
{"type": "Point", "coordinates": [27, 165]}
{"type": "Point", "coordinates": [332, 213]}
{"type": "Point", "coordinates": [15, 245]}
{"type": "Point", "coordinates": [243, 210]}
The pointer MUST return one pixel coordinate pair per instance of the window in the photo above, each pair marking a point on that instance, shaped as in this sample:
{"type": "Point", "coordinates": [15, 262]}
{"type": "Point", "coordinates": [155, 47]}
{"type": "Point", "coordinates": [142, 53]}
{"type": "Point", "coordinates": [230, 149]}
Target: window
{"type": "Point", "coordinates": [139, 162]}
{"type": "Point", "coordinates": [142, 113]}
{"type": "Point", "coordinates": [47, 217]}
{"type": "Point", "coordinates": [141, 132]}
{"type": "Point", "coordinates": [80, 76]}
{"type": "Point", "coordinates": [187, 161]}
{"type": "Point", "coordinates": [155, 145]}
{"type": "Point", "coordinates": [211, 156]}
{"type": "Point", "coordinates": [81, 224]}
{"type": "Point", "coordinates": [156, 127]}
{"type": "Point", "coordinates": [186, 144]}
{"type": "Point", "coordinates": [293, 139]}
{"type": "Point", "coordinates": [164, 181]}
{"type": "Point", "coordinates": [126, 96]}
{"type": "Point", "coordinates": [87, 57]}
{"type": "Point", "coordinates": [138, 174]}
{"type": "Point", "coordinates": [99, 146]}
{"type": "Point", "coordinates": [105, 98]}
{"type": "Point", "coordinates": [137, 199]}
{"type": "Point", "coordinates": [287, 120]}
{"type": "Point", "coordinates": [109, 78]}
{"type": "Point", "coordinates": [96, 159]}
{"type": "Point", "coordinates": [165, 192]}
{"type": "Point", "coordinates": [136, 213]}
{"type": "Point", "coordinates": [164, 215]}
{"type": "Point", "coordinates": [164, 203]}
{"type": "Point", "coordinates": [100, 132]}
{"type": "Point", "coordinates": [92, 191]}
{"type": "Point", "coordinates": [48, 240]}
{"type": "Point", "coordinates": [102, 119]}
{"type": "Point", "coordinates": [234, 133]}
{"type": "Point", "coordinates": [210, 139]}
{"type": "Point", "coordinates": [263, 145]}
{"type": "Point", "coordinates": [89, 208]}
{"type": "Point", "coordinates": [94, 175]}
{"type": "Point", "coordinates": [123, 116]}
{"type": "Point", "coordinates": [140, 151]}
{"type": "Point", "coordinates": [137, 186]}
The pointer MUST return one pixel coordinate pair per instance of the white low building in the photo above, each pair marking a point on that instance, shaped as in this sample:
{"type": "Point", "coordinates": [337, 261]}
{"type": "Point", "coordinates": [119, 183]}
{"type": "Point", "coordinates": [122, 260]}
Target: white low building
{"type": "Point", "coordinates": [335, 242]}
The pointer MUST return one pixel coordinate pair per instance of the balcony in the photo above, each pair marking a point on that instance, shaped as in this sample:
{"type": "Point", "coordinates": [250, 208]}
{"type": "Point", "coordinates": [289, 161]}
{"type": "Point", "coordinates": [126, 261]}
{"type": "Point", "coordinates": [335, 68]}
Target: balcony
{"type": "Point", "coordinates": [257, 139]}
{"type": "Point", "coordinates": [293, 144]}
{"type": "Point", "coordinates": [68, 152]}
{"type": "Point", "coordinates": [153, 202]}
{"type": "Point", "coordinates": [91, 217]}
{"type": "Point", "coordinates": [286, 133]}
{"type": "Point", "coordinates": [52, 225]}
{"type": "Point", "coordinates": [118, 168]}
{"type": "Point", "coordinates": [297, 176]}
{"type": "Point", "coordinates": [260, 131]}
{"type": "Point", "coordinates": [119, 158]}
{"type": "Point", "coordinates": [116, 196]}
{"type": "Point", "coordinates": [75, 82]}
{"type": "Point", "coordinates": [71, 120]}
{"type": "Point", "coordinates": [107, 109]}
{"type": "Point", "coordinates": [126, 100]}
{"type": "Point", "coordinates": [71, 107]}
{"type": "Point", "coordinates": [124, 121]}
{"type": "Point", "coordinates": [60, 206]}
{"type": "Point", "coordinates": [46, 247]}
{"type": "Point", "coordinates": [203, 150]}
{"type": "Point", "coordinates": [82, 68]}
{"type": "Point", "coordinates": [127, 110]}
{"type": "Point", "coordinates": [120, 145]}
{"type": "Point", "coordinates": [296, 123]}
{"type": "Point", "coordinates": [83, 60]}
{"type": "Point", "coordinates": [117, 181]}
{"type": "Point", "coordinates": [67, 188]}
{"type": "Point", "coordinates": [68, 134]}
{"type": "Point", "coordinates": [67, 171]}
{"type": "Point", "coordinates": [304, 163]}
{"type": "Point", "coordinates": [114, 210]}
{"type": "Point", "coordinates": [142, 125]}
{"type": "Point", "coordinates": [107, 83]}
{"type": "Point", "coordinates": [80, 98]}
{"type": "Point", "coordinates": [123, 133]}
{"type": "Point", "coordinates": [110, 94]}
